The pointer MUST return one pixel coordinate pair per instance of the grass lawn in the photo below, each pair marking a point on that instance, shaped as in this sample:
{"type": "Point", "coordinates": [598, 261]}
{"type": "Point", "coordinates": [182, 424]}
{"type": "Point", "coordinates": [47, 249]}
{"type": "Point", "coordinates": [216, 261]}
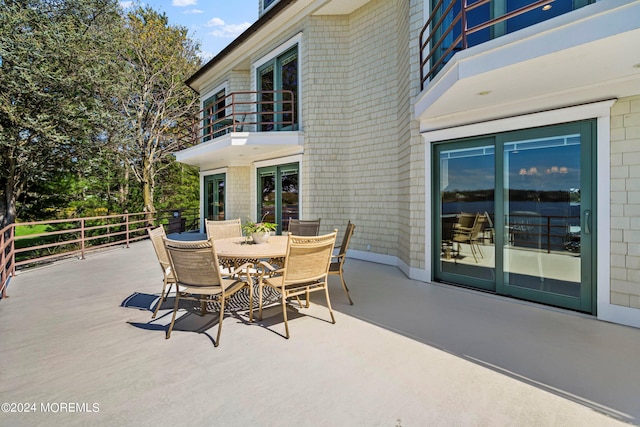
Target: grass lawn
{"type": "Point", "coordinates": [25, 230]}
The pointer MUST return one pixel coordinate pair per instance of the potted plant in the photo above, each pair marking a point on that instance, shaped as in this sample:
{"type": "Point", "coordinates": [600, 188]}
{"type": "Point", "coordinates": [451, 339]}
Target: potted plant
{"type": "Point", "coordinates": [259, 231]}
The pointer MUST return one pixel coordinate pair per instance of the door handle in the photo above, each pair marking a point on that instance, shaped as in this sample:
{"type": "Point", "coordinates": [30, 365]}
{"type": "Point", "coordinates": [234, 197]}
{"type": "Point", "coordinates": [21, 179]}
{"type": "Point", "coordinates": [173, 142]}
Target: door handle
{"type": "Point", "coordinates": [587, 222]}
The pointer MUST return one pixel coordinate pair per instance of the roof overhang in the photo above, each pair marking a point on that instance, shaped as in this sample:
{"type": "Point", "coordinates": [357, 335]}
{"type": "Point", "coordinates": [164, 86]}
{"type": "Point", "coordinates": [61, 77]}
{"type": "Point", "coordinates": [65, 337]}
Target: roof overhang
{"type": "Point", "coordinates": [583, 56]}
{"type": "Point", "coordinates": [275, 13]}
{"type": "Point", "coordinates": [270, 26]}
{"type": "Point", "coordinates": [242, 149]}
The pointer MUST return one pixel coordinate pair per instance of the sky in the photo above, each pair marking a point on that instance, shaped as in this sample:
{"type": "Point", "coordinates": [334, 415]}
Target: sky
{"type": "Point", "coordinates": [214, 23]}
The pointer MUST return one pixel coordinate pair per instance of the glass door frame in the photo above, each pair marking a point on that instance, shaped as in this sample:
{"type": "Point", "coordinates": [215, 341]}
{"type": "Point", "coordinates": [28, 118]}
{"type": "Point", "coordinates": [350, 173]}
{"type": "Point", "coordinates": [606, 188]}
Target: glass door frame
{"type": "Point", "coordinates": [212, 211]}
{"type": "Point", "coordinates": [277, 171]}
{"type": "Point", "coordinates": [436, 230]}
{"type": "Point", "coordinates": [587, 302]}
{"type": "Point", "coordinates": [588, 214]}
{"type": "Point", "coordinates": [274, 66]}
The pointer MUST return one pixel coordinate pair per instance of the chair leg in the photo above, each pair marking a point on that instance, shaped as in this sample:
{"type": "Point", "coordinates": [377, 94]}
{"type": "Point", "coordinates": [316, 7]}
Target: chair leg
{"type": "Point", "coordinates": [284, 313]}
{"type": "Point", "coordinates": [260, 300]}
{"type": "Point", "coordinates": [163, 297]}
{"type": "Point", "coordinates": [222, 299]}
{"type": "Point", "coordinates": [344, 286]}
{"type": "Point", "coordinates": [326, 292]}
{"type": "Point", "coordinates": [250, 300]}
{"type": "Point", "coordinates": [175, 310]}
{"type": "Point", "coordinates": [473, 251]}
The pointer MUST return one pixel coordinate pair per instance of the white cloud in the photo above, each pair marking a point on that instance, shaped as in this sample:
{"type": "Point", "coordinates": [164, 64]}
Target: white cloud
{"type": "Point", "coordinates": [226, 30]}
{"type": "Point", "coordinates": [215, 22]}
{"type": "Point", "coordinates": [193, 12]}
{"type": "Point", "coordinates": [126, 4]}
{"type": "Point", "coordinates": [182, 3]}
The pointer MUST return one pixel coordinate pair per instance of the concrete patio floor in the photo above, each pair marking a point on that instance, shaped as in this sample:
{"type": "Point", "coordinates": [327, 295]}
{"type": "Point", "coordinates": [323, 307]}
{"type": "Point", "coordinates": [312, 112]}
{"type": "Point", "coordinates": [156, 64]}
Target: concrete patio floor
{"type": "Point", "coordinates": [77, 334]}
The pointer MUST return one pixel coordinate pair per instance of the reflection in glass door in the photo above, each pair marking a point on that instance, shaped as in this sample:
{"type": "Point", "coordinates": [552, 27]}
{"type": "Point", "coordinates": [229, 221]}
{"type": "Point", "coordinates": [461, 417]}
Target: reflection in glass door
{"type": "Point", "coordinates": [545, 212]}
{"type": "Point", "coordinates": [465, 214]}
{"type": "Point", "coordinates": [278, 194]}
{"type": "Point", "coordinates": [533, 238]}
{"type": "Point", "coordinates": [214, 206]}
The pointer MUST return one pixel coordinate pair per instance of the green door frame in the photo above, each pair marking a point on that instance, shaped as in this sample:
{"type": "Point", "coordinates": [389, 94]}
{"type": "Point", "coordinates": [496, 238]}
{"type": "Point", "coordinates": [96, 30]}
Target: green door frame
{"type": "Point", "coordinates": [587, 301]}
{"type": "Point", "coordinates": [214, 208]}
{"type": "Point", "coordinates": [276, 68]}
{"type": "Point", "coordinates": [277, 172]}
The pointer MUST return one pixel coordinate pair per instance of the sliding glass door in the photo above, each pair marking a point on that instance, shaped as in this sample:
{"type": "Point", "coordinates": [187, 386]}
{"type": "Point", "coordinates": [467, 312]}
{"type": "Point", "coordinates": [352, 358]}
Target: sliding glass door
{"type": "Point", "coordinates": [515, 214]}
{"type": "Point", "coordinates": [214, 197]}
{"type": "Point", "coordinates": [279, 109]}
{"type": "Point", "coordinates": [278, 194]}
{"type": "Point", "coordinates": [466, 188]}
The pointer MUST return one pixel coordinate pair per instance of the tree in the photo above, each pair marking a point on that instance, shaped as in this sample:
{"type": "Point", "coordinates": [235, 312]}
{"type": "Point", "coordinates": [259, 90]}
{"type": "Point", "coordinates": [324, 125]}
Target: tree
{"type": "Point", "coordinates": [54, 54]}
{"type": "Point", "coordinates": [155, 103]}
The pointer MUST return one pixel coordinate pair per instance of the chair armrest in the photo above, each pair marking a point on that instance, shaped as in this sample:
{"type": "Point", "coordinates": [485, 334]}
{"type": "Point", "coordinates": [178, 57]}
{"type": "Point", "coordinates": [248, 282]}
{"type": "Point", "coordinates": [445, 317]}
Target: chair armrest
{"type": "Point", "coordinates": [337, 256]}
{"type": "Point", "coordinates": [268, 269]}
{"type": "Point", "coordinates": [246, 267]}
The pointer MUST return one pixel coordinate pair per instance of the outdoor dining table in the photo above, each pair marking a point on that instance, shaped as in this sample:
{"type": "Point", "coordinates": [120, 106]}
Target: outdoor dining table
{"type": "Point", "coordinates": [234, 251]}
{"type": "Point", "coordinates": [238, 248]}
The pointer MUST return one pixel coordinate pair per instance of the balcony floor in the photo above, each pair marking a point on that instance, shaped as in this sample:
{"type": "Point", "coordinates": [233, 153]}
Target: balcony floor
{"type": "Point", "coordinates": [406, 354]}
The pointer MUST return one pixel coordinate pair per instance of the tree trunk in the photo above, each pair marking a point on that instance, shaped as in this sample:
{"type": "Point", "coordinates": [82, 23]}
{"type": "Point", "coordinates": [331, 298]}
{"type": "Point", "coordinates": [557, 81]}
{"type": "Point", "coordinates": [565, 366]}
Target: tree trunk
{"type": "Point", "coordinates": [8, 203]}
{"type": "Point", "coordinates": [147, 189]}
{"type": "Point", "coordinates": [124, 189]}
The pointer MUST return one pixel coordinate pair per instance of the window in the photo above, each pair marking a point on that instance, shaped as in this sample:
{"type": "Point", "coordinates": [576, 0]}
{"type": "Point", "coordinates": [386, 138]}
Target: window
{"type": "Point", "coordinates": [213, 110]}
{"type": "Point", "coordinates": [267, 3]}
{"type": "Point", "coordinates": [478, 15]}
{"type": "Point", "coordinates": [278, 86]}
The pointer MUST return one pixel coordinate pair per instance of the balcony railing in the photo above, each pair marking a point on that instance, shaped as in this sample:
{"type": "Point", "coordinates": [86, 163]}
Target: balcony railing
{"type": "Point", "coordinates": [453, 22]}
{"type": "Point", "coordinates": [262, 111]}
{"type": "Point", "coordinates": [60, 238]}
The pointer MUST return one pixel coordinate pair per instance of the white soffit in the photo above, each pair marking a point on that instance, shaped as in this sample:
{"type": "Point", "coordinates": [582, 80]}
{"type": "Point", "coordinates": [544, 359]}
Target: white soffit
{"type": "Point", "coordinates": [340, 7]}
{"type": "Point", "coordinates": [242, 149]}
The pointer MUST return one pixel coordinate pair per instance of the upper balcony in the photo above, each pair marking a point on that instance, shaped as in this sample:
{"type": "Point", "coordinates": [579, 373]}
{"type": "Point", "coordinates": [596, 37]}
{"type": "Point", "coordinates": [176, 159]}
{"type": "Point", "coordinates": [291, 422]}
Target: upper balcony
{"type": "Point", "coordinates": [244, 127]}
{"type": "Point", "coordinates": [483, 59]}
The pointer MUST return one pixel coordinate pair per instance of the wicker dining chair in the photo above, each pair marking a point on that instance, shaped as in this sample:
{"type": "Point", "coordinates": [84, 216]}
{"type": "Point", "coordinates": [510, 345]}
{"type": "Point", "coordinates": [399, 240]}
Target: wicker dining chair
{"type": "Point", "coordinates": [337, 261]}
{"type": "Point", "coordinates": [199, 278]}
{"type": "Point", "coordinates": [301, 227]}
{"type": "Point", "coordinates": [157, 235]}
{"type": "Point", "coordinates": [306, 268]}
{"type": "Point", "coordinates": [223, 229]}
{"type": "Point", "coordinates": [467, 231]}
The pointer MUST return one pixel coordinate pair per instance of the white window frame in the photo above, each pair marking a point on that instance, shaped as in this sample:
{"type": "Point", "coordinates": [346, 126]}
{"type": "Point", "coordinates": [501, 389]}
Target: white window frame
{"type": "Point", "coordinates": [262, 8]}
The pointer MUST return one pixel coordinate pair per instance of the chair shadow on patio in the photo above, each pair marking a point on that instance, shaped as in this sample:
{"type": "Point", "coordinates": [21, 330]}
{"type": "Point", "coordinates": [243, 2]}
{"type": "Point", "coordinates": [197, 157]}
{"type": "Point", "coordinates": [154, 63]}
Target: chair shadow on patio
{"type": "Point", "coordinates": [192, 321]}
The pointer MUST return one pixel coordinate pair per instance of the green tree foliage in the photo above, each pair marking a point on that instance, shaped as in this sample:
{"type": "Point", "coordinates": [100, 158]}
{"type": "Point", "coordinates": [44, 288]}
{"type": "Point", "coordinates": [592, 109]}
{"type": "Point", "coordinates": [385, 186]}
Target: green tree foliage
{"type": "Point", "coordinates": [180, 187]}
{"type": "Point", "coordinates": [53, 58]}
{"type": "Point", "coordinates": [92, 104]}
{"type": "Point", "coordinates": [154, 101]}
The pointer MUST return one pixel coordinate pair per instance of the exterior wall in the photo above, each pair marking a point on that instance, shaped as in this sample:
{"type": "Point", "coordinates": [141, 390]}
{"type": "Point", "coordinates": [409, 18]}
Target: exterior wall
{"type": "Point", "coordinates": [413, 235]}
{"type": "Point", "coordinates": [373, 151]}
{"type": "Point", "coordinates": [363, 156]}
{"type": "Point", "coordinates": [325, 192]}
{"type": "Point", "coordinates": [238, 205]}
{"type": "Point", "coordinates": [625, 202]}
